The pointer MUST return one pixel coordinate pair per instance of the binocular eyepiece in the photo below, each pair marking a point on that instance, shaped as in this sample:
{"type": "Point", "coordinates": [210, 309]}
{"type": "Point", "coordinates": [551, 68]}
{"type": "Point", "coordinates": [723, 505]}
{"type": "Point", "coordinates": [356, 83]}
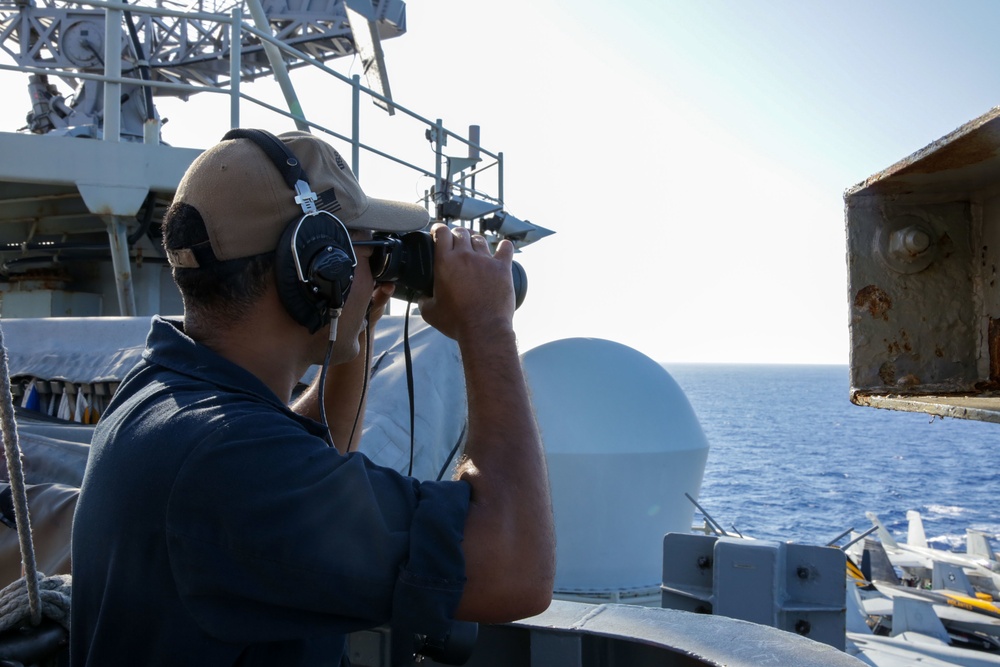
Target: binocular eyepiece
{"type": "Point", "coordinates": [408, 261]}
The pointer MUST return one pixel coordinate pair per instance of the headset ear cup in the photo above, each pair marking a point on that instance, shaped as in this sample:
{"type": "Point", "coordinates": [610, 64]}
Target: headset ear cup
{"type": "Point", "coordinates": [329, 273]}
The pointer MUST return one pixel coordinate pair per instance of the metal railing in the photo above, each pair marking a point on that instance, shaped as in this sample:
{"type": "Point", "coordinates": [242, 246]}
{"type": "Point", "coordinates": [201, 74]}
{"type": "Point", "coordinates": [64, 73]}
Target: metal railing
{"type": "Point", "coordinates": [448, 180]}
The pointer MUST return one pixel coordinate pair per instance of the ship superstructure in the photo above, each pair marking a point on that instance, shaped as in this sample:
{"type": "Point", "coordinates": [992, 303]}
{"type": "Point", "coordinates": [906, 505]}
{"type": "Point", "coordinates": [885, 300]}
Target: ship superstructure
{"type": "Point", "coordinates": [82, 191]}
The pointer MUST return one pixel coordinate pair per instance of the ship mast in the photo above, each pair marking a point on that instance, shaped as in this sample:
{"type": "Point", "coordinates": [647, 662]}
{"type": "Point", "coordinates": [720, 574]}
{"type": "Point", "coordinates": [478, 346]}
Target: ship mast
{"type": "Point", "coordinates": [188, 46]}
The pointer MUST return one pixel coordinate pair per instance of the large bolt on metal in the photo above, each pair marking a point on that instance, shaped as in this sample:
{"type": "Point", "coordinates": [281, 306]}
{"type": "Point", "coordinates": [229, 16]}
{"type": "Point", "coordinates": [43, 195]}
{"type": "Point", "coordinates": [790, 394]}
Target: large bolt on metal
{"type": "Point", "coordinates": [909, 243]}
{"type": "Point", "coordinates": [906, 244]}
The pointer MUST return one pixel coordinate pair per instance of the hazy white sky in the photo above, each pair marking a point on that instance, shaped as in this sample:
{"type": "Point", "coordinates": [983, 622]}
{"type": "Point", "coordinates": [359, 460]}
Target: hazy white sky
{"type": "Point", "coordinates": [691, 155]}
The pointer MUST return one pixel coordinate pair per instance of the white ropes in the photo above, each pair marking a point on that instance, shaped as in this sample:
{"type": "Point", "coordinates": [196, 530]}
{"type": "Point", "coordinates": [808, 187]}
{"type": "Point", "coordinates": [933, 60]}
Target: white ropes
{"type": "Point", "coordinates": [32, 595]}
{"type": "Point", "coordinates": [54, 596]}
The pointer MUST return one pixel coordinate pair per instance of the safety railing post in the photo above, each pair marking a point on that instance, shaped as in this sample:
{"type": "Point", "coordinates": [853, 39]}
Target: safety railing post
{"type": "Point", "coordinates": [113, 72]}
{"type": "Point", "coordinates": [235, 65]}
{"type": "Point", "coordinates": [356, 124]}
{"type": "Point", "coordinates": [500, 176]}
{"type": "Point", "coordinates": [439, 188]}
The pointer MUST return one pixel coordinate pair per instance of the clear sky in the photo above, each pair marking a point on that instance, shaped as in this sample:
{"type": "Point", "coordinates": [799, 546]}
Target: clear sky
{"type": "Point", "coordinates": [691, 155]}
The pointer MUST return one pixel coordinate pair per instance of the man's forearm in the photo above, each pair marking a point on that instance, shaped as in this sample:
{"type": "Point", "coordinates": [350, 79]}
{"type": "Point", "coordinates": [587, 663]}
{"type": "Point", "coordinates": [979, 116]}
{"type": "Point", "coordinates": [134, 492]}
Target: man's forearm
{"type": "Point", "coordinates": [509, 530]}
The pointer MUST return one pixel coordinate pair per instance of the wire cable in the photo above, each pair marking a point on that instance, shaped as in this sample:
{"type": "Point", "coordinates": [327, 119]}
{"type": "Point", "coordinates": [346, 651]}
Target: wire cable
{"type": "Point", "coordinates": [364, 381]}
{"type": "Point", "coordinates": [409, 377]}
{"type": "Point", "coordinates": [322, 395]}
{"type": "Point", "coordinates": [364, 388]}
{"type": "Point", "coordinates": [454, 450]}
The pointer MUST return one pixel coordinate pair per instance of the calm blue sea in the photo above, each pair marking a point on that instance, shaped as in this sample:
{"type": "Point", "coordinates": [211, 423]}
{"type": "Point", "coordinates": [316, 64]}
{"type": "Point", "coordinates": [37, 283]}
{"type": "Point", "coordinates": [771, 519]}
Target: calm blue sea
{"type": "Point", "coordinates": [792, 459]}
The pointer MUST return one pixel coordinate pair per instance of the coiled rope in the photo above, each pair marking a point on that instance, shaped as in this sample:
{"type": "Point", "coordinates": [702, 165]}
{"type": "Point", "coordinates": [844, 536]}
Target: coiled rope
{"type": "Point", "coordinates": [34, 594]}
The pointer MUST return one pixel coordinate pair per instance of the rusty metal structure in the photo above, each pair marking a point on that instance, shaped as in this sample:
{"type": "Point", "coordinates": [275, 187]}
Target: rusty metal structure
{"type": "Point", "coordinates": [923, 247]}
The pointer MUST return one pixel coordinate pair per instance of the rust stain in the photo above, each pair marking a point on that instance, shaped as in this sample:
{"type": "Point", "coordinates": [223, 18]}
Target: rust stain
{"type": "Point", "coordinates": [947, 247]}
{"type": "Point", "coordinates": [938, 352]}
{"type": "Point", "coordinates": [874, 300]}
{"type": "Point", "coordinates": [45, 279]}
{"type": "Point", "coordinates": [994, 346]}
{"type": "Point", "coordinates": [985, 385]}
{"type": "Point", "coordinates": [887, 373]}
{"type": "Point", "coordinates": [963, 151]}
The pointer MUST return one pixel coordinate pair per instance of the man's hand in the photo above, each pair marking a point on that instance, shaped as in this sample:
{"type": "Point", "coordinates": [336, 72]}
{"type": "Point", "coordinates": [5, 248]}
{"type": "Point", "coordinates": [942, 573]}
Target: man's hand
{"type": "Point", "coordinates": [473, 290]}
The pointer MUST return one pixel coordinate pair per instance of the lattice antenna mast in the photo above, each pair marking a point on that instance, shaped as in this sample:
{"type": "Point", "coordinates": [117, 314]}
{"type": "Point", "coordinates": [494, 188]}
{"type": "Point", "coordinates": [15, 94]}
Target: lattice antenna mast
{"type": "Point", "coordinates": [67, 37]}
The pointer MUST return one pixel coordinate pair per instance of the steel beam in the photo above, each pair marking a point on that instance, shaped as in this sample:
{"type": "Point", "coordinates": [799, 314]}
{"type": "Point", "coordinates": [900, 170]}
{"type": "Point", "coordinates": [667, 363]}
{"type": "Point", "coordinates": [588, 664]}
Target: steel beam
{"type": "Point", "coordinates": [118, 238]}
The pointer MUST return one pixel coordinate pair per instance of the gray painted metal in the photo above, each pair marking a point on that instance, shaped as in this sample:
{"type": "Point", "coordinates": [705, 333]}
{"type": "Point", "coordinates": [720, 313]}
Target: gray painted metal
{"type": "Point", "coordinates": [68, 190]}
{"type": "Point", "coordinates": [118, 241]}
{"type": "Point", "coordinates": [278, 68]}
{"type": "Point", "coordinates": [112, 108]}
{"type": "Point", "coordinates": [794, 587]}
{"type": "Point", "coordinates": [189, 48]}
{"type": "Point", "coordinates": [126, 173]}
{"type": "Point", "coordinates": [235, 59]}
{"type": "Point", "coordinates": [923, 240]}
{"type": "Point", "coordinates": [571, 634]}
{"type": "Point", "coordinates": [83, 196]}
{"type": "Point", "coordinates": [368, 43]}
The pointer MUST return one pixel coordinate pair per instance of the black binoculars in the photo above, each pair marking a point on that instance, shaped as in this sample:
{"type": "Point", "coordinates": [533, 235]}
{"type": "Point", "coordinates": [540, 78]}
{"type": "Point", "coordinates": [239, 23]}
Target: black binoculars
{"type": "Point", "coordinates": [408, 261]}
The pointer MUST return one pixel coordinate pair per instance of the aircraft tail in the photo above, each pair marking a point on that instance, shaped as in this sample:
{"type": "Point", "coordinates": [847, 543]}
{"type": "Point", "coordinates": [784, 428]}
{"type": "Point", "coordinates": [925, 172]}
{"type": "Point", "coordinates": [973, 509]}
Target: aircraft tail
{"type": "Point", "coordinates": [977, 544]}
{"type": "Point", "coordinates": [951, 577]}
{"type": "Point", "coordinates": [875, 564]}
{"type": "Point", "coordinates": [883, 533]}
{"type": "Point", "coordinates": [855, 574]}
{"type": "Point", "coordinates": [915, 535]}
{"type": "Point", "coordinates": [854, 615]}
{"type": "Point", "coordinates": [911, 616]}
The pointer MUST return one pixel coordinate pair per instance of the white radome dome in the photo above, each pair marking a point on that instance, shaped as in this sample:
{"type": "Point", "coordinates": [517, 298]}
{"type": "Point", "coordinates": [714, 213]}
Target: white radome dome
{"type": "Point", "coordinates": [623, 446]}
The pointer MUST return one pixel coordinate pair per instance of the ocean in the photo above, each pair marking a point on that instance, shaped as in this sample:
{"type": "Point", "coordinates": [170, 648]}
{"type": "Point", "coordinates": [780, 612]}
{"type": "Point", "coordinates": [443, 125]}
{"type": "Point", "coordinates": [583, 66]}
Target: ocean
{"type": "Point", "coordinates": [792, 459]}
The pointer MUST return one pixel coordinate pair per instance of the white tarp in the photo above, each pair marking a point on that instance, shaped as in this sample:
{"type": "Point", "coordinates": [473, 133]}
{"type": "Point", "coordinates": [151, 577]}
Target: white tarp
{"type": "Point", "coordinates": [91, 350]}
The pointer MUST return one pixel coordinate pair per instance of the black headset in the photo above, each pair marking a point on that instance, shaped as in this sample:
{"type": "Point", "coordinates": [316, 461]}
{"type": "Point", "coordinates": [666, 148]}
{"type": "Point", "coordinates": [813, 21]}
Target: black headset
{"type": "Point", "coordinates": [314, 260]}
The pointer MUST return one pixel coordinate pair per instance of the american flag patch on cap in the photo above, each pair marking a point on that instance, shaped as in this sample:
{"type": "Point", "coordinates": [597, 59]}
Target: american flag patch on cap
{"type": "Point", "coordinates": [327, 201]}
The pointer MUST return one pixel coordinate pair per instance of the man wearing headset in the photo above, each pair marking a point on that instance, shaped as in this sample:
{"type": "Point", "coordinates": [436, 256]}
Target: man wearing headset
{"type": "Point", "coordinates": [216, 526]}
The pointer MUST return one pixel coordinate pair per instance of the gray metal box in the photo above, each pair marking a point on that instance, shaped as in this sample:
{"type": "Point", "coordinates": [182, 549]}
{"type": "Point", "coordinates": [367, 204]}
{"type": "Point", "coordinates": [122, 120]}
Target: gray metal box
{"type": "Point", "coordinates": [792, 587]}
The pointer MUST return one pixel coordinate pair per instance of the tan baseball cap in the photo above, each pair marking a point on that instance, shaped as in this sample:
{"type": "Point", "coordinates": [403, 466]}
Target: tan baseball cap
{"type": "Point", "coordinates": [246, 203]}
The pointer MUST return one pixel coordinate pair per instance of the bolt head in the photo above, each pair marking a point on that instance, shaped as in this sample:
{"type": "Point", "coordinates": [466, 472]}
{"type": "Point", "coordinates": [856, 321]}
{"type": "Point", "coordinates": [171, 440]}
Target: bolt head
{"type": "Point", "coordinates": [909, 243]}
